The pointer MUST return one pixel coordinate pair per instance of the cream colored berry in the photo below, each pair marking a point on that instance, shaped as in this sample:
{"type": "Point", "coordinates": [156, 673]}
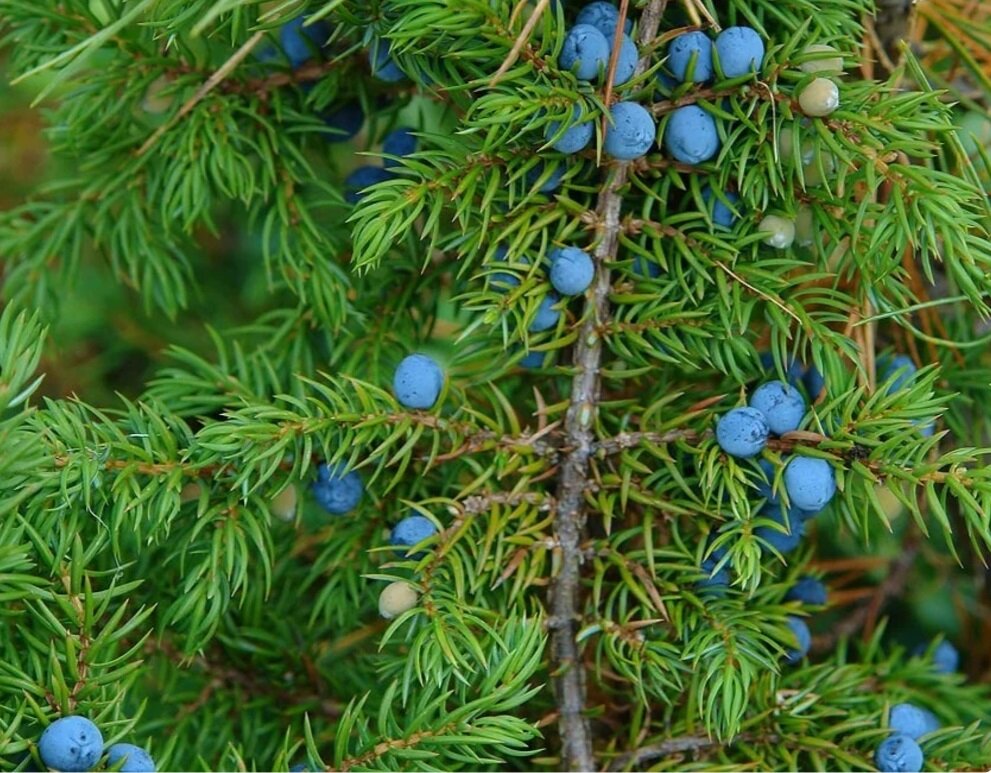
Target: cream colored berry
{"type": "Point", "coordinates": [396, 598]}
{"type": "Point", "coordinates": [780, 231]}
{"type": "Point", "coordinates": [821, 97]}
{"type": "Point", "coordinates": [813, 174]}
{"type": "Point", "coordinates": [155, 102]}
{"type": "Point", "coordinates": [190, 492]}
{"type": "Point", "coordinates": [283, 504]}
{"type": "Point", "coordinates": [822, 63]}
{"type": "Point", "coordinates": [804, 223]}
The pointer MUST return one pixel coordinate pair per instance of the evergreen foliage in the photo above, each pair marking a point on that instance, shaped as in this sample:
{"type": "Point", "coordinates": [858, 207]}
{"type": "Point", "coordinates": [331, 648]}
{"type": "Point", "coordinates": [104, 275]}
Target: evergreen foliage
{"type": "Point", "coordinates": [165, 570]}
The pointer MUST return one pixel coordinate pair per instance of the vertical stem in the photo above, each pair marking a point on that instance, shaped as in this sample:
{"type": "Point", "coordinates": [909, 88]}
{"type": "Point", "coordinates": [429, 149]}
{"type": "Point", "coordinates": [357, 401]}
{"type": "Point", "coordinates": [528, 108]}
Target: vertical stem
{"type": "Point", "coordinates": [569, 517]}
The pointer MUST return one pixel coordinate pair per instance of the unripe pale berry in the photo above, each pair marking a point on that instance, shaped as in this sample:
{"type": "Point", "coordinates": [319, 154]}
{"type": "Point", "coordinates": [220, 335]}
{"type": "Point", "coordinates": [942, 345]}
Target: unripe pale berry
{"type": "Point", "coordinates": [821, 97]}
{"type": "Point", "coordinates": [780, 231]}
{"type": "Point", "coordinates": [155, 101]}
{"type": "Point", "coordinates": [822, 62]}
{"type": "Point", "coordinates": [396, 598]}
{"type": "Point", "coordinates": [190, 492]}
{"type": "Point", "coordinates": [283, 505]}
{"type": "Point", "coordinates": [804, 223]}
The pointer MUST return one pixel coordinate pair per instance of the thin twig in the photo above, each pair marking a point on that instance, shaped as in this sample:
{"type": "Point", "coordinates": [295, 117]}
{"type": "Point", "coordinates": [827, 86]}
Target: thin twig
{"type": "Point", "coordinates": [212, 82]}
{"type": "Point", "coordinates": [569, 517]}
{"type": "Point", "coordinates": [637, 757]}
{"type": "Point", "coordinates": [892, 585]}
{"type": "Point", "coordinates": [521, 41]}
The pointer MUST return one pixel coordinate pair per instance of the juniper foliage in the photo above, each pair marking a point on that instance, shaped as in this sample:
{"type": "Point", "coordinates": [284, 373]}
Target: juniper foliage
{"type": "Point", "coordinates": [146, 582]}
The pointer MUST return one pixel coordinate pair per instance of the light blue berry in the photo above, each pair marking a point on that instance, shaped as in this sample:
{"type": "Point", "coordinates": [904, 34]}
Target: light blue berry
{"type": "Point", "coordinates": [575, 138]}
{"type": "Point", "coordinates": [337, 492]}
{"type": "Point", "coordinates": [547, 316]}
{"type": "Point", "coordinates": [900, 368]}
{"type": "Point", "coordinates": [361, 178]}
{"type": "Point", "coordinates": [803, 636]}
{"type": "Point", "coordinates": [418, 381]}
{"type": "Point", "coordinates": [603, 16]}
{"type": "Point", "coordinates": [136, 759]}
{"type": "Point", "coordinates": [898, 754]}
{"type": "Point", "coordinates": [814, 381]}
{"type": "Point", "coordinates": [398, 143]}
{"type": "Point", "coordinates": [71, 744]}
{"type": "Point", "coordinates": [410, 531]}
{"type": "Point", "coordinates": [585, 52]}
{"type": "Point", "coordinates": [810, 482]}
{"type": "Point", "coordinates": [680, 52]}
{"type": "Point", "coordinates": [299, 767]}
{"type": "Point", "coordinates": [691, 135]}
{"type": "Point", "coordinates": [301, 44]}
{"type": "Point", "coordinates": [626, 62]}
{"type": "Point", "coordinates": [553, 181]}
{"type": "Point", "coordinates": [794, 372]}
{"type": "Point", "coordinates": [765, 481]}
{"type": "Point", "coordinates": [382, 64]}
{"type": "Point", "coordinates": [533, 360]}
{"type": "Point", "coordinates": [504, 281]}
{"type": "Point", "coordinates": [782, 405]}
{"type": "Point", "coordinates": [722, 215]}
{"type": "Point", "coordinates": [630, 133]}
{"type": "Point", "coordinates": [808, 590]}
{"type": "Point", "coordinates": [945, 657]}
{"type": "Point", "coordinates": [742, 432]}
{"type": "Point", "coordinates": [789, 533]}
{"type": "Point", "coordinates": [911, 720]}
{"type": "Point", "coordinates": [572, 270]}
{"type": "Point", "coordinates": [344, 122]}
{"type": "Point", "coordinates": [645, 267]}
{"type": "Point", "coordinates": [740, 51]}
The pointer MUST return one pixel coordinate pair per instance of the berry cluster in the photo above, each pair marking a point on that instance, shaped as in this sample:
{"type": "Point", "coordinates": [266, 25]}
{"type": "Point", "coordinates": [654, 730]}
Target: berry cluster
{"type": "Point", "coordinates": [691, 135]}
{"type": "Point", "coordinates": [587, 50]}
{"type": "Point", "coordinates": [74, 743]}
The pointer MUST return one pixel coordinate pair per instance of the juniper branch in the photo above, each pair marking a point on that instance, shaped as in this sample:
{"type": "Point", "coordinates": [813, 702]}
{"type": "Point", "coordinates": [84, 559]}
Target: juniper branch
{"type": "Point", "coordinates": [569, 520]}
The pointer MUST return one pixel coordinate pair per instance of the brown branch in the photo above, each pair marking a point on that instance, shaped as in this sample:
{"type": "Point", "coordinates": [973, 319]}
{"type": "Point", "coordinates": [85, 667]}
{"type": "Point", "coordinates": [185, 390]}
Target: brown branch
{"type": "Point", "coordinates": [688, 743]}
{"type": "Point", "coordinates": [864, 615]}
{"type": "Point", "coordinates": [569, 516]}
{"type": "Point", "coordinates": [521, 41]}
{"type": "Point", "coordinates": [212, 82]}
